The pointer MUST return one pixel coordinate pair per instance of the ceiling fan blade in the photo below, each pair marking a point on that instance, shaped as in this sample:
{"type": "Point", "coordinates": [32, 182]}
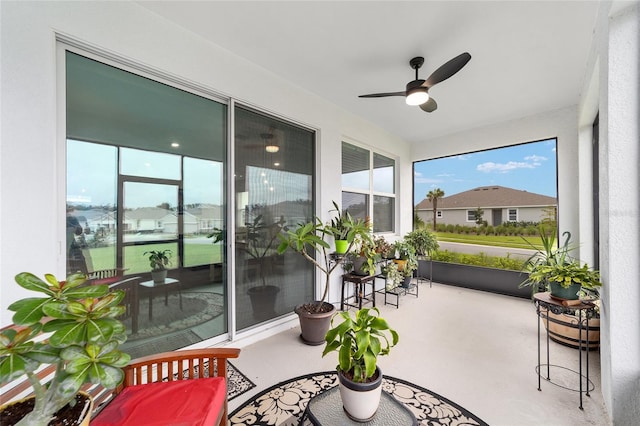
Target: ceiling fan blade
{"type": "Point", "coordinates": [447, 70]}
{"type": "Point", "coordinates": [429, 106]}
{"type": "Point", "coordinates": [382, 95]}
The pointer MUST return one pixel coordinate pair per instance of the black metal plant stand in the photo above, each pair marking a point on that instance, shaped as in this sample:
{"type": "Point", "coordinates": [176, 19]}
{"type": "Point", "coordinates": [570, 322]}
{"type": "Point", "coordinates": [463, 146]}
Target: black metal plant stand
{"type": "Point", "coordinates": [585, 310]}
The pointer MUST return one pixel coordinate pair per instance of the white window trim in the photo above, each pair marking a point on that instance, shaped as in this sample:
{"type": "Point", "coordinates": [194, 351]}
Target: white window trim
{"type": "Point", "coordinates": [509, 215]}
{"type": "Point", "coordinates": [371, 193]}
{"type": "Point", "coordinates": [472, 220]}
{"type": "Point", "coordinates": [439, 214]}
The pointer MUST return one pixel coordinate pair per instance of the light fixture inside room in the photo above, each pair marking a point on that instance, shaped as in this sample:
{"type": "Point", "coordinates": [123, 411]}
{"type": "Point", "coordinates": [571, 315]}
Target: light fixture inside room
{"type": "Point", "coordinates": [270, 144]}
{"type": "Point", "coordinates": [417, 96]}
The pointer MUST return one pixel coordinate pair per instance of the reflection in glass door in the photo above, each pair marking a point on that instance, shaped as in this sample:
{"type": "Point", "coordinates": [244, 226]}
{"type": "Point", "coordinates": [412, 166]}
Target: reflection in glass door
{"type": "Point", "coordinates": [145, 172]}
{"type": "Point", "coordinates": [273, 183]}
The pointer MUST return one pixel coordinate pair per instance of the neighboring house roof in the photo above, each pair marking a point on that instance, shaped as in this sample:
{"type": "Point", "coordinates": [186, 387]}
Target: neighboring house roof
{"type": "Point", "coordinates": [206, 212]}
{"type": "Point", "coordinates": [489, 196]}
{"type": "Point", "coordinates": [142, 213]}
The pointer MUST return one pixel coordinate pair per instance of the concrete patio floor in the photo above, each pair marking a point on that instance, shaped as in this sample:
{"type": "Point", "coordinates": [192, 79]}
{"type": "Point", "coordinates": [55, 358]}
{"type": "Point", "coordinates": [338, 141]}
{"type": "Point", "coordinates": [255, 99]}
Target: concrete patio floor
{"type": "Point", "coordinates": [475, 348]}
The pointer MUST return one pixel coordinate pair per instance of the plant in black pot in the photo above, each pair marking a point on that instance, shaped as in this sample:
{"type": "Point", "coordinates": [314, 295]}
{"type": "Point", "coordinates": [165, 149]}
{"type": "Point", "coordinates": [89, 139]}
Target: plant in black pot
{"type": "Point", "coordinates": [310, 240]}
{"type": "Point", "coordinates": [406, 260]}
{"type": "Point", "coordinates": [259, 246]}
{"type": "Point", "coordinates": [553, 269]}
{"type": "Point", "coordinates": [159, 260]}
{"type": "Point", "coordinates": [359, 341]}
{"type": "Point", "coordinates": [83, 346]}
{"type": "Point", "coordinates": [363, 259]}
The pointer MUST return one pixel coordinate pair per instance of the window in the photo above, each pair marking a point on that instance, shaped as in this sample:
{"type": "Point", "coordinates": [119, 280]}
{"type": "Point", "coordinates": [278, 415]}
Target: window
{"type": "Point", "coordinates": [145, 164]}
{"type": "Point", "coordinates": [439, 214]}
{"type": "Point", "coordinates": [513, 215]}
{"type": "Point", "coordinates": [368, 186]}
{"type": "Point", "coordinates": [273, 189]}
{"type": "Point", "coordinates": [471, 215]}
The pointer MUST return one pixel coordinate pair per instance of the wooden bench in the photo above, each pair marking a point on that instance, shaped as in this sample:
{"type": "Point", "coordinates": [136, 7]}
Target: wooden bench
{"type": "Point", "coordinates": [167, 376]}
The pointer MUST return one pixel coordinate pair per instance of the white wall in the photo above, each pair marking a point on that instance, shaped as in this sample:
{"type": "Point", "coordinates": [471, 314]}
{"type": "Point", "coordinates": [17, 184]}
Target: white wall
{"type": "Point", "coordinates": [618, 49]}
{"type": "Point", "coordinates": [561, 124]}
{"type": "Point", "coordinates": [32, 193]}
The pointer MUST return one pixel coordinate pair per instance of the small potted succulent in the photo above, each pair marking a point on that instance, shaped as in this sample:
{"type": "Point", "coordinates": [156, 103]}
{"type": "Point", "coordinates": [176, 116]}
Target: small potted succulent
{"type": "Point", "coordinates": [159, 260]}
{"type": "Point", "coordinates": [83, 344]}
{"type": "Point", "coordinates": [359, 341]}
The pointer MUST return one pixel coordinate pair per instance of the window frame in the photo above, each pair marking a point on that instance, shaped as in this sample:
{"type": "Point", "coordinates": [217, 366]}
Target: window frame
{"type": "Point", "coordinates": [371, 192]}
{"type": "Point", "coordinates": [471, 216]}
{"type": "Point", "coordinates": [509, 210]}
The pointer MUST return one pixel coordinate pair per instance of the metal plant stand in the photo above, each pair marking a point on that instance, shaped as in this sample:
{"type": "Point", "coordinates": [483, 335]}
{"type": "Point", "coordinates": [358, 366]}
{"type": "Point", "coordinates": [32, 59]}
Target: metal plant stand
{"type": "Point", "coordinates": [584, 310]}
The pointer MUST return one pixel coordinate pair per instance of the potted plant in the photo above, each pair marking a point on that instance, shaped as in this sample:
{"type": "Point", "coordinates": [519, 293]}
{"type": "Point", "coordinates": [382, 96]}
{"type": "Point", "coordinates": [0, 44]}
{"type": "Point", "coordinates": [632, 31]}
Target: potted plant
{"type": "Point", "coordinates": [83, 346]}
{"type": "Point", "coordinates": [359, 341]}
{"type": "Point", "coordinates": [554, 270]}
{"type": "Point", "coordinates": [310, 240]}
{"type": "Point", "coordinates": [423, 241]}
{"type": "Point", "coordinates": [363, 259]}
{"type": "Point", "coordinates": [393, 277]}
{"type": "Point", "coordinates": [384, 247]}
{"type": "Point", "coordinates": [259, 246]}
{"type": "Point", "coordinates": [158, 260]}
{"type": "Point", "coordinates": [341, 226]}
{"type": "Point", "coordinates": [406, 260]}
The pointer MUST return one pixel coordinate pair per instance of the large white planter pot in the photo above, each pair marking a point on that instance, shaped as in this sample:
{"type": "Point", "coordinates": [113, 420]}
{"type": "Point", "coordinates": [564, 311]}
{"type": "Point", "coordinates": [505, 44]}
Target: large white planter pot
{"type": "Point", "coordinates": [360, 400]}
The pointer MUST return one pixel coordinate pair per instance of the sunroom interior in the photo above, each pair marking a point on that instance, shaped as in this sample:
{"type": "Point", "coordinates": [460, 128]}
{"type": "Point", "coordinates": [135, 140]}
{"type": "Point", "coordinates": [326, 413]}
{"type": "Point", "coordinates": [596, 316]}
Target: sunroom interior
{"type": "Point", "coordinates": [287, 75]}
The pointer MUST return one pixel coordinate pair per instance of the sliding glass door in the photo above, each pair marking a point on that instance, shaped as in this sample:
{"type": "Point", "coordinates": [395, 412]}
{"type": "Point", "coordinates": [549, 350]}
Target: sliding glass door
{"type": "Point", "coordinates": [273, 191]}
{"type": "Point", "coordinates": [146, 165]}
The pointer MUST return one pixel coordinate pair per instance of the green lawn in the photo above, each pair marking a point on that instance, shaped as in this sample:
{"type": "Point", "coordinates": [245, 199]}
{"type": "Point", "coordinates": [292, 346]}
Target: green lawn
{"type": "Point", "coordinates": [136, 262]}
{"type": "Point", "coordinates": [512, 241]}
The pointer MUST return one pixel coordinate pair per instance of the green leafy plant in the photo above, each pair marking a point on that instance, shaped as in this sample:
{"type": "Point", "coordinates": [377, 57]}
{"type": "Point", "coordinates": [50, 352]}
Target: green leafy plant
{"type": "Point", "coordinates": [341, 225]}
{"type": "Point", "coordinates": [359, 341]}
{"type": "Point", "coordinates": [363, 256]}
{"type": "Point", "coordinates": [392, 275]}
{"type": "Point", "coordinates": [310, 240]}
{"type": "Point", "coordinates": [384, 247]}
{"type": "Point", "coordinates": [546, 258]}
{"type": "Point", "coordinates": [83, 346]}
{"type": "Point", "coordinates": [405, 251]}
{"type": "Point", "coordinates": [423, 241]}
{"type": "Point", "coordinates": [566, 274]}
{"type": "Point", "coordinates": [158, 259]}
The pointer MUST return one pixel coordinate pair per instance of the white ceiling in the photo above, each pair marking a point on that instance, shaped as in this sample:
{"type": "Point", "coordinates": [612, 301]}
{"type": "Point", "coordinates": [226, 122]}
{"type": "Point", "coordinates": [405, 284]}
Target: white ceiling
{"type": "Point", "coordinates": [527, 57]}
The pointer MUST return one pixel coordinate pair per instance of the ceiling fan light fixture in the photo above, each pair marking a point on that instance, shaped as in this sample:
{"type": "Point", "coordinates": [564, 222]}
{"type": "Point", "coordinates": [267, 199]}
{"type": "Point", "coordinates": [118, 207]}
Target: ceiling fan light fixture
{"type": "Point", "coordinates": [272, 148]}
{"type": "Point", "coordinates": [417, 96]}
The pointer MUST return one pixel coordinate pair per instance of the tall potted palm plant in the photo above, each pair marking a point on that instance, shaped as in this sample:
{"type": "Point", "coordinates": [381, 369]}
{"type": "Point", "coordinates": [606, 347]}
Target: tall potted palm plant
{"type": "Point", "coordinates": [311, 241]}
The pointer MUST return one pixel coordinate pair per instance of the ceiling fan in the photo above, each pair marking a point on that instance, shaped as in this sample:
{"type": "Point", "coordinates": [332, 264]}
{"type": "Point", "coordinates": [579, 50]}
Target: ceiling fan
{"type": "Point", "coordinates": [417, 92]}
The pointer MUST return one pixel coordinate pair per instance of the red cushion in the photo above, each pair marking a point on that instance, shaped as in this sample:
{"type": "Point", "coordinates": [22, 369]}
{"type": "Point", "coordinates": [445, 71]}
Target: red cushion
{"type": "Point", "coordinates": [183, 403]}
{"type": "Point", "coordinates": [110, 280]}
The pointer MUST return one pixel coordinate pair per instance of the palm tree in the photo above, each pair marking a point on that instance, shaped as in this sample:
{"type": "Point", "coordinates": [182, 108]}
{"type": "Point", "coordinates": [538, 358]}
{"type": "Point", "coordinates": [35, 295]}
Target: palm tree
{"type": "Point", "coordinates": [433, 196]}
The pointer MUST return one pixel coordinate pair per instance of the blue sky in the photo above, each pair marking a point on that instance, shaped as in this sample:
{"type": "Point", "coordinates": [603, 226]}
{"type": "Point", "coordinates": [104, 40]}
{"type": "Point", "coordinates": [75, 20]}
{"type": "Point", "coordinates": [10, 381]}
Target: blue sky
{"type": "Point", "coordinates": [530, 167]}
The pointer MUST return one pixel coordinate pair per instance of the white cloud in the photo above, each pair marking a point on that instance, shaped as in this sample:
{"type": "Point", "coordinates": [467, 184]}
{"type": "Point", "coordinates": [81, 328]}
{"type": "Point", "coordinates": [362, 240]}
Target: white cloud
{"type": "Point", "coordinates": [445, 175]}
{"type": "Point", "coordinates": [535, 158]}
{"type": "Point", "coordinates": [490, 166]}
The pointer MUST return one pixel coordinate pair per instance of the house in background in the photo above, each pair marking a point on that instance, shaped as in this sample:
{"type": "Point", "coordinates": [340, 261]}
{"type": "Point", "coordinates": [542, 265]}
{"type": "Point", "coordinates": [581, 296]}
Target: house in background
{"type": "Point", "coordinates": [500, 204]}
{"type": "Point", "coordinates": [227, 52]}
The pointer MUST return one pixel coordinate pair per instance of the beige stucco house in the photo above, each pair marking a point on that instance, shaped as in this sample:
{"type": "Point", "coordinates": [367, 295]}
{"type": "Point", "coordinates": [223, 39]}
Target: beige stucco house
{"type": "Point", "coordinates": [499, 205]}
